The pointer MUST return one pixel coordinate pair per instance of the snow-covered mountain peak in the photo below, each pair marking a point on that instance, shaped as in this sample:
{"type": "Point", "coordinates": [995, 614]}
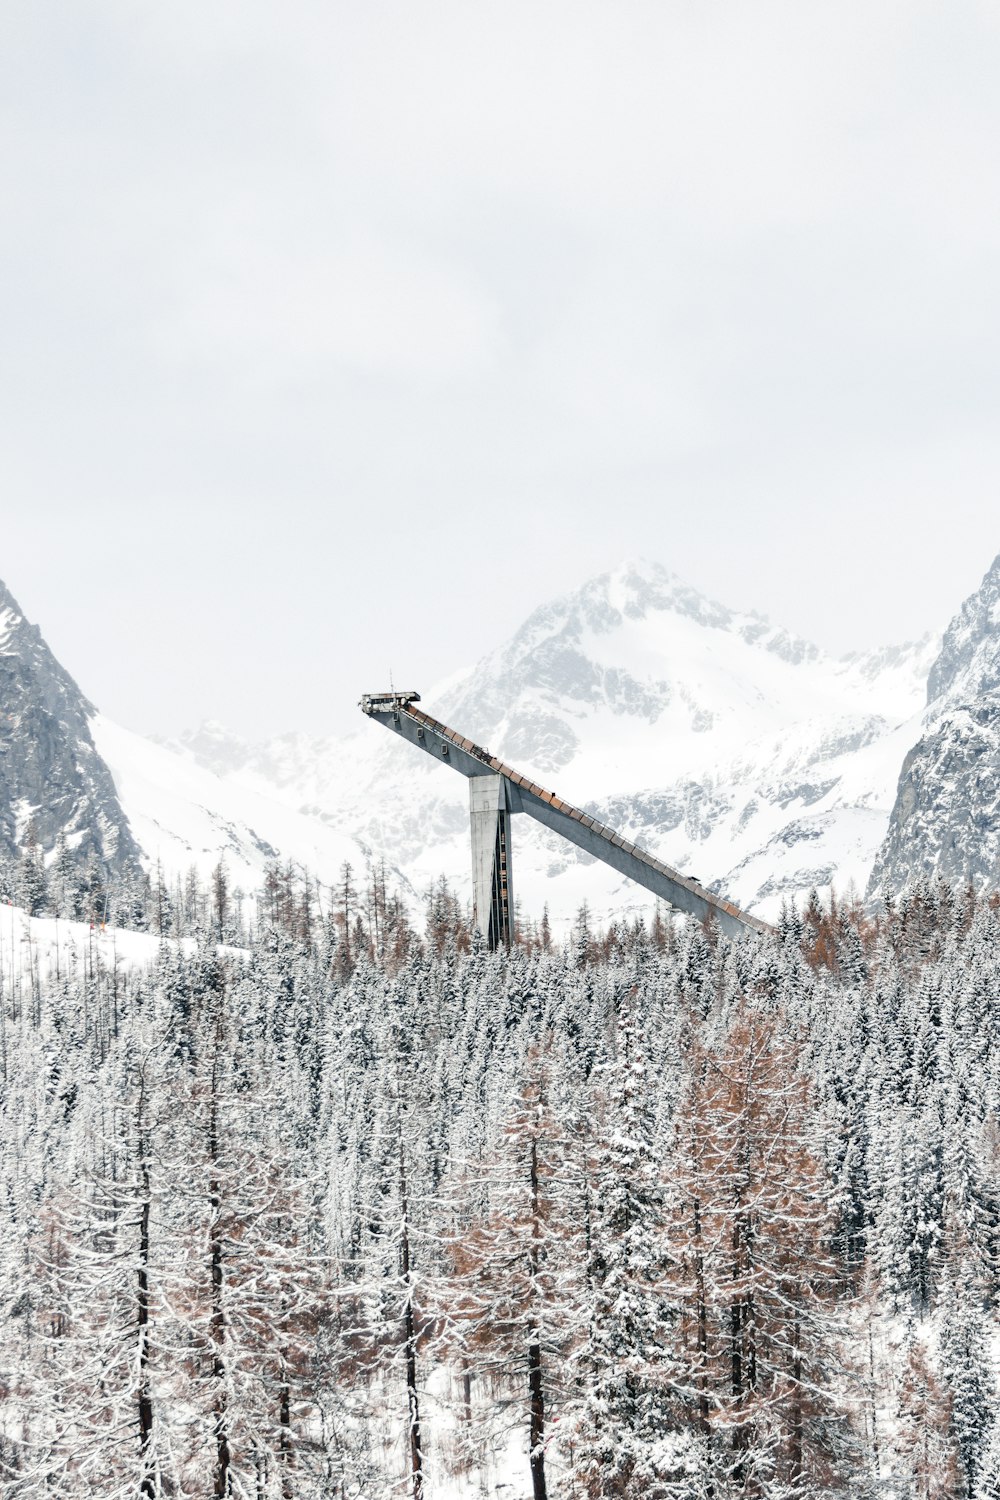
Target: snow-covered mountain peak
{"type": "Point", "coordinates": [636, 590]}
{"type": "Point", "coordinates": [20, 638]}
{"type": "Point", "coordinates": [946, 817]}
{"type": "Point", "coordinates": [52, 780]}
{"type": "Point", "coordinates": [8, 624]}
{"type": "Point", "coordinates": [10, 610]}
{"type": "Point", "coordinates": [636, 679]}
{"type": "Point", "coordinates": [215, 747]}
{"type": "Point", "coordinates": [969, 661]}
{"type": "Point", "coordinates": [11, 618]}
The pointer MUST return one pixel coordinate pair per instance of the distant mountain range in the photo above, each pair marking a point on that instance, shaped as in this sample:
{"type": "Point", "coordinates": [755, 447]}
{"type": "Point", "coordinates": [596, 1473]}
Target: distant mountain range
{"type": "Point", "coordinates": [737, 752]}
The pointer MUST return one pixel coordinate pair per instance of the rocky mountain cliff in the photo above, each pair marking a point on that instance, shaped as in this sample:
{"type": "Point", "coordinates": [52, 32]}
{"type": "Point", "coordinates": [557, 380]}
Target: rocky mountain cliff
{"type": "Point", "coordinates": [946, 814]}
{"type": "Point", "coordinates": [53, 782]}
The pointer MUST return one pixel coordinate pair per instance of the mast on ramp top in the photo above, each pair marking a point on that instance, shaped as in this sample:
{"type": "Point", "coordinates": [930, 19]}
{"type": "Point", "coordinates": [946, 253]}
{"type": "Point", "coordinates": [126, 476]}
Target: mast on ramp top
{"type": "Point", "coordinates": [497, 791]}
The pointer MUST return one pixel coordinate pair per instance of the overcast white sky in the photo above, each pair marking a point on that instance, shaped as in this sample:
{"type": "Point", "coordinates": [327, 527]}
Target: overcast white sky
{"type": "Point", "coordinates": [336, 336]}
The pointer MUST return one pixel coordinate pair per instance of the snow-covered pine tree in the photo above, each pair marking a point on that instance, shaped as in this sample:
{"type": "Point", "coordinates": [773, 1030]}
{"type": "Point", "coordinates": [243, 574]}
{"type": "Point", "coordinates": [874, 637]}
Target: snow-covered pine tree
{"type": "Point", "coordinates": [248, 1304]}
{"type": "Point", "coordinates": [518, 1263]}
{"type": "Point", "coordinates": [627, 1367]}
{"type": "Point", "coordinates": [924, 1446]}
{"type": "Point", "coordinates": [758, 1285]}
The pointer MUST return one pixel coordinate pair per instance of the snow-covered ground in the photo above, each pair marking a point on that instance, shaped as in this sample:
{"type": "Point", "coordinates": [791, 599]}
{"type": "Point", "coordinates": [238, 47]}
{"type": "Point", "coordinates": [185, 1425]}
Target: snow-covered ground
{"type": "Point", "coordinates": [184, 814]}
{"type": "Point", "coordinates": [51, 946]}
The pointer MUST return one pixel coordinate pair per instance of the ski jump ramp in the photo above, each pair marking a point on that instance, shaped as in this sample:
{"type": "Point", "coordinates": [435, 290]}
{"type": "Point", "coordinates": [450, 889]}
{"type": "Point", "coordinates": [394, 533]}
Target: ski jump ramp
{"type": "Point", "coordinates": [497, 792]}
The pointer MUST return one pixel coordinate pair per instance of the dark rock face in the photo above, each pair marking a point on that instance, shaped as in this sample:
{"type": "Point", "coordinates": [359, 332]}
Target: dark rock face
{"type": "Point", "coordinates": [946, 818]}
{"type": "Point", "coordinates": [969, 663]}
{"type": "Point", "coordinates": [52, 779]}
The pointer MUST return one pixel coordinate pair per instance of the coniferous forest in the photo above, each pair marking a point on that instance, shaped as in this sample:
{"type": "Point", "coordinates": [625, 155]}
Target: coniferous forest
{"type": "Point", "coordinates": [319, 1204]}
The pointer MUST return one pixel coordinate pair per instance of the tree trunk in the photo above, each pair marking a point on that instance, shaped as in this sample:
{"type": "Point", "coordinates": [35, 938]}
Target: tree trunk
{"type": "Point", "coordinates": [876, 1457]}
{"type": "Point", "coordinates": [736, 1358]}
{"type": "Point", "coordinates": [798, 1421]}
{"type": "Point", "coordinates": [218, 1318]}
{"type": "Point", "coordinates": [218, 1363]}
{"type": "Point", "coordinates": [536, 1391]}
{"type": "Point", "coordinates": [285, 1442]}
{"type": "Point", "coordinates": [537, 1397]}
{"type": "Point", "coordinates": [410, 1335]}
{"type": "Point", "coordinates": [704, 1425]}
{"type": "Point", "coordinates": [147, 1488]}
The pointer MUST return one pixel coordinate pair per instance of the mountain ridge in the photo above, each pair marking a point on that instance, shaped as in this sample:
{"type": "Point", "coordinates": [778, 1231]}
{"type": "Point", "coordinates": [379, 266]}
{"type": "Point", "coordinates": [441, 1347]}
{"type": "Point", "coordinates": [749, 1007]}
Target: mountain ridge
{"type": "Point", "coordinates": [723, 743]}
{"type": "Point", "coordinates": [715, 738]}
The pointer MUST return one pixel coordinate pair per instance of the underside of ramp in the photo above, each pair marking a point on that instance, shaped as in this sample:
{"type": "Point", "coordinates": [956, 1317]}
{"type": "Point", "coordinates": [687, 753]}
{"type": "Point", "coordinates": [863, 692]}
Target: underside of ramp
{"type": "Point", "coordinates": [497, 791]}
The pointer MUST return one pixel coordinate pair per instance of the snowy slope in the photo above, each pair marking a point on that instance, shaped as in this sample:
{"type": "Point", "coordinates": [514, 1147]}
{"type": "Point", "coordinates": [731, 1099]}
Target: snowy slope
{"type": "Point", "coordinates": [33, 949]}
{"type": "Point", "coordinates": [183, 814]}
{"type": "Point", "coordinates": [736, 751]}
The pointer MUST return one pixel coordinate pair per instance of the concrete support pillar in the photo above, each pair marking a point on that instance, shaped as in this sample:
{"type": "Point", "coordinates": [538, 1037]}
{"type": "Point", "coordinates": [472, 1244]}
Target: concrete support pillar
{"type": "Point", "coordinates": [491, 884]}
